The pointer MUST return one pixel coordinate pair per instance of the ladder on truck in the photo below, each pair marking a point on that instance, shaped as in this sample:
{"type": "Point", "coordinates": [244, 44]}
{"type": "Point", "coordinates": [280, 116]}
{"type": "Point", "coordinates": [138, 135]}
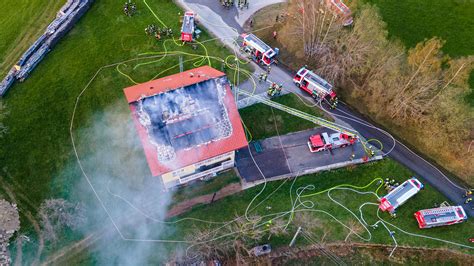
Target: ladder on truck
{"type": "Point", "coordinates": [317, 120]}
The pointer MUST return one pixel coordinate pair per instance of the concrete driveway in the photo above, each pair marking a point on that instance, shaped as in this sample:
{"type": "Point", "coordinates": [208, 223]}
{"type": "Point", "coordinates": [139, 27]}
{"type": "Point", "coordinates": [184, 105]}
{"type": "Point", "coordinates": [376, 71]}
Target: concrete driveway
{"type": "Point", "coordinates": [288, 155]}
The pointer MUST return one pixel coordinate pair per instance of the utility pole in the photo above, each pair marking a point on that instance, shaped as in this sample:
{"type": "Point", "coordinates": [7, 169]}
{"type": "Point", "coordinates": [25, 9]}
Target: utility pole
{"type": "Point", "coordinates": [294, 237]}
{"type": "Point", "coordinates": [180, 63]}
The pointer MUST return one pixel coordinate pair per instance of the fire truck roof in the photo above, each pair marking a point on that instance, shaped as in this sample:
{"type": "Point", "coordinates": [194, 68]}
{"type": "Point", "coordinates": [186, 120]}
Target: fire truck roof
{"type": "Point", "coordinates": [257, 43]}
{"type": "Point", "coordinates": [319, 81]}
{"type": "Point", "coordinates": [401, 193]}
{"type": "Point", "coordinates": [188, 23]}
{"type": "Point", "coordinates": [442, 214]}
{"type": "Point", "coordinates": [316, 140]}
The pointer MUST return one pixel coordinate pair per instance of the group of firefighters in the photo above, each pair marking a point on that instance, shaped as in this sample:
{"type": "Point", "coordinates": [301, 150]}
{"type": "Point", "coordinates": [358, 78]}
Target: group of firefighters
{"type": "Point", "coordinates": [153, 30]}
{"type": "Point", "coordinates": [129, 9]}
{"type": "Point", "coordinates": [390, 184]}
{"type": "Point", "coordinates": [274, 90]}
{"type": "Point", "coordinates": [468, 196]}
{"type": "Point", "coordinates": [240, 3]}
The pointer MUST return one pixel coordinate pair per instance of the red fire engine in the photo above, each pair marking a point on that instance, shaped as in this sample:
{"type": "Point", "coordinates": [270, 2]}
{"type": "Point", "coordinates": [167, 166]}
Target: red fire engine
{"type": "Point", "coordinates": [340, 9]}
{"type": "Point", "coordinates": [324, 141]}
{"type": "Point", "coordinates": [313, 84]}
{"type": "Point", "coordinates": [440, 216]}
{"type": "Point", "coordinates": [261, 52]}
{"type": "Point", "coordinates": [188, 28]}
{"type": "Point", "coordinates": [400, 195]}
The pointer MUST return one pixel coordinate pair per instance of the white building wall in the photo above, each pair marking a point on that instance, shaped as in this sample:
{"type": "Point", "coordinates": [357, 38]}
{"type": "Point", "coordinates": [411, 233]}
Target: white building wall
{"type": "Point", "coordinates": [189, 173]}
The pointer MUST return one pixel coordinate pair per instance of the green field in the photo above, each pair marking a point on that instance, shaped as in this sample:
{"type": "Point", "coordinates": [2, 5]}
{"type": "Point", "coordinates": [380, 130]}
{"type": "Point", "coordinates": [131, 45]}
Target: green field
{"type": "Point", "coordinates": [19, 31]}
{"type": "Point", "coordinates": [413, 21]}
{"type": "Point", "coordinates": [262, 122]}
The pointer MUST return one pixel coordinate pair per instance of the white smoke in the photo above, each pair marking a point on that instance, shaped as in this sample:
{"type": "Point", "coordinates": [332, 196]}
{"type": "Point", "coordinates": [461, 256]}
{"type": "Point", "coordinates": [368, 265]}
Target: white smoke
{"type": "Point", "coordinates": [114, 162]}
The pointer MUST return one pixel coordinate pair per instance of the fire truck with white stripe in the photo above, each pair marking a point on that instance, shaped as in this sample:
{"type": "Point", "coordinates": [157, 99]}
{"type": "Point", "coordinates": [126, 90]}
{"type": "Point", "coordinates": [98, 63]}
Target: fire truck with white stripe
{"type": "Point", "coordinates": [188, 28]}
{"type": "Point", "coordinates": [400, 195]}
{"type": "Point", "coordinates": [440, 216]}
{"type": "Point", "coordinates": [324, 141]}
{"type": "Point", "coordinates": [340, 9]}
{"type": "Point", "coordinates": [261, 52]}
{"type": "Point", "coordinates": [316, 86]}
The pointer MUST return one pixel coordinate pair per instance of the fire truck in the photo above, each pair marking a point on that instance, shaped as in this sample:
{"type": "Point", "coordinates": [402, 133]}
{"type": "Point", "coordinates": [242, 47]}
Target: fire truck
{"type": "Point", "coordinates": [188, 28]}
{"type": "Point", "coordinates": [313, 84]}
{"type": "Point", "coordinates": [341, 10]}
{"type": "Point", "coordinates": [261, 52]}
{"type": "Point", "coordinates": [400, 195]}
{"type": "Point", "coordinates": [324, 141]}
{"type": "Point", "coordinates": [440, 216]}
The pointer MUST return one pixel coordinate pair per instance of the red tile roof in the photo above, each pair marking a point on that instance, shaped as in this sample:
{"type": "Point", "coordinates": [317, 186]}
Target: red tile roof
{"type": "Point", "coordinates": [196, 154]}
{"type": "Point", "coordinates": [183, 79]}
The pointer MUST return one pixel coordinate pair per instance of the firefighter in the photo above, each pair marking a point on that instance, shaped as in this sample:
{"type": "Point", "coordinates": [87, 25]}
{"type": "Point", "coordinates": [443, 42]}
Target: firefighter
{"type": "Point", "coordinates": [372, 153]}
{"type": "Point", "coordinates": [269, 68]}
{"type": "Point", "coordinates": [270, 91]}
{"type": "Point", "coordinates": [468, 193]}
{"type": "Point", "coordinates": [278, 89]}
{"type": "Point", "coordinates": [265, 77]}
{"type": "Point", "coordinates": [468, 200]}
{"type": "Point", "coordinates": [125, 10]}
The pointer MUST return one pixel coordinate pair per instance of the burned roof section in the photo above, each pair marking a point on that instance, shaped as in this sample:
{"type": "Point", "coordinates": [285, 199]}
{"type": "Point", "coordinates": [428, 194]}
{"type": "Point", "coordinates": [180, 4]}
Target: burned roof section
{"type": "Point", "coordinates": [194, 121]}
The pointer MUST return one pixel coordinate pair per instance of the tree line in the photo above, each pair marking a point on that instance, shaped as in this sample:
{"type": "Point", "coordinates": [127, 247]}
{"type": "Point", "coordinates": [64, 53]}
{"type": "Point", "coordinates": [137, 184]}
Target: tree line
{"type": "Point", "coordinates": [418, 93]}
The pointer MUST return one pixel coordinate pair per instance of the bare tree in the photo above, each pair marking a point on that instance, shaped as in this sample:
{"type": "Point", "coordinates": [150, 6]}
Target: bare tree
{"type": "Point", "coordinates": [234, 239]}
{"type": "Point", "coordinates": [58, 214]}
{"type": "Point", "coordinates": [354, 228]}
{"type": "Point", "coordinates": [9, 223]}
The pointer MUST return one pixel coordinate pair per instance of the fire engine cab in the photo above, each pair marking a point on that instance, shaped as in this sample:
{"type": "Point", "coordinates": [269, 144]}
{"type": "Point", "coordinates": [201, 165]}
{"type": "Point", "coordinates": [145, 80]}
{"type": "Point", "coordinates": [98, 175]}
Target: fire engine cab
{"type": "Point", "coordinates": [440, 216]}
{"type": "Point", "coordinates": [324, 141]}
{"type": "Point", "coordinates": [188, 28]}
{"type": "Point", "coordinates": [400, 195]}
{"type": "Point", "coordinates": [313, 84]}
{"type": "Point", "coordinates": [261, 52]}
{"type": "Point", "coordinates": [341, 10]}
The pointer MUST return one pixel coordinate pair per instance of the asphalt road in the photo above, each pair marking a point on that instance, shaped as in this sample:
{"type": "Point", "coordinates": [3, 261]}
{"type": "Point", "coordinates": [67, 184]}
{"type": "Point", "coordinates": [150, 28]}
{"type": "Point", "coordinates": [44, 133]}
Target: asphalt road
{"type": "Point", "coordinates": [227, 24]}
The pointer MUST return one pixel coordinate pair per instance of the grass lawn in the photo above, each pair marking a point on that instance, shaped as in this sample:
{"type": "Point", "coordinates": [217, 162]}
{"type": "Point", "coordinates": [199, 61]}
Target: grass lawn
{"type": "Point", "coordinates": [200, 188]}
{"type": "Point", "coordinates": [36, 155]}
{"type": "Point", "coordinates": [21, 24]}
{"type": "Point", "coordinates": [413, 21]}
{"type": "Point", "coordinates": [260, 120]}
{"type": "Point", "coordinates": [227, 208]}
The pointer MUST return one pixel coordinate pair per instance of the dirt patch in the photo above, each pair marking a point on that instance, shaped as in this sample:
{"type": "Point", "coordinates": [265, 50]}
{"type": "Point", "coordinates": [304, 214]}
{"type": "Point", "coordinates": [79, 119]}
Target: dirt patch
{"type": "Point", "coordinates": [362, 253]}
{"type": "Point", "coordinates": [204, 199]}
